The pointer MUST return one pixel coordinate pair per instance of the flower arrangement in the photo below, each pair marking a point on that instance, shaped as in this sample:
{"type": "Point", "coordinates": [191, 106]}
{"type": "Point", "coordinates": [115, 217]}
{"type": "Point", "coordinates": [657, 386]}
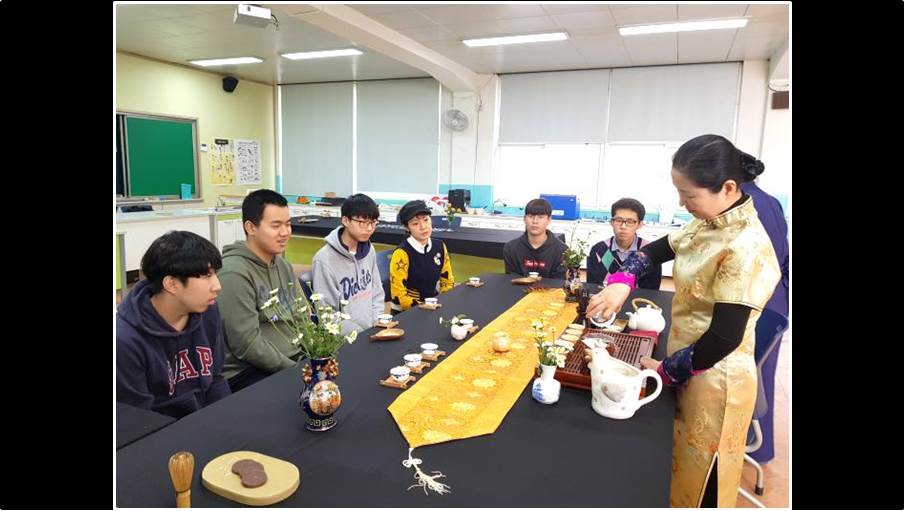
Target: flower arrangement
{"type": "Point", "coordinates": [576, 252]}
{"type": "Point", "coordinates": [550, 353]}
{"type": "Point", "coordinates": [454, 320]}
{"type": "Point", "coordinates": [295, 322]}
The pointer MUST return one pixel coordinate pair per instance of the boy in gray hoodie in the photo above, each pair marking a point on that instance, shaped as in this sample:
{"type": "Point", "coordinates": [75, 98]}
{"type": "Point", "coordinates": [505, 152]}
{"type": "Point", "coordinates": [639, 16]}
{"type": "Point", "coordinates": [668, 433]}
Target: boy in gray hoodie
{"type": "Point", "coordinates": [251, 269]}
{"type": "Point", "coordinates": [346, 267]}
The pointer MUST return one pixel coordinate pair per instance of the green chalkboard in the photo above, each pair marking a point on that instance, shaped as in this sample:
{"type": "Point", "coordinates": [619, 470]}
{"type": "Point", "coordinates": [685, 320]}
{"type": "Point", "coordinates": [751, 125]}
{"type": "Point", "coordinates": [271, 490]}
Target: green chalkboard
{"type": "Point", "coordinates": [160, 155]}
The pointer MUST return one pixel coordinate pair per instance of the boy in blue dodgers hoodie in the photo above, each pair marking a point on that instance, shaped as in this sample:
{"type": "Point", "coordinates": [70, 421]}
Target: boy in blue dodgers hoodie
{"type": "Point", "coordinates": [252, 268]}
{"type": "Point", "coordinates": [169, 335]}
{"type": "Point", "coordinates": [346, 267]}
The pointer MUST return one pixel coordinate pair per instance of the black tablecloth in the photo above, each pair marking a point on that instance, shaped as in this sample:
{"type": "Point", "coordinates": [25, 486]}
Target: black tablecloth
{"type": "Point", "coordinates": [541, 455]}
{"type": "Point", "coordinates": [474, 241]}
{"type": "Point", "coordinates": [133, 423]}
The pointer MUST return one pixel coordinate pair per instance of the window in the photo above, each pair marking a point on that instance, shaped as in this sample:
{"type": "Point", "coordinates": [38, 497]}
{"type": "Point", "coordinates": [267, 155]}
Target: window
{"type": "Point", "coordinates": [640, 171]}
{"type": "Point", "coordinates": [526, 171]}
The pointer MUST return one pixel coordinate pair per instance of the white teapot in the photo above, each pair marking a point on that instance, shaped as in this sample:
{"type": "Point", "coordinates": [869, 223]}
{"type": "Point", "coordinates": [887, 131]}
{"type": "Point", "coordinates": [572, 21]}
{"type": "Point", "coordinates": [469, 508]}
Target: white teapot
{"type": "Point", "coordinates": [615, 385]}
{"type": "Point", "coordinates": [646, 318]}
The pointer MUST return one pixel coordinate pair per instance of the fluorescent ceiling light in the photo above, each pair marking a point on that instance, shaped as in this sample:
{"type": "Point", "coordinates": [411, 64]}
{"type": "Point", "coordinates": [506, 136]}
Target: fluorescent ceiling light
{"type": "Point", "coordinates": [322, 54]}
{"type": "Point", "coordinates": [685, 26]}
{"type": "Point", "coordinates": [516, 39]}
{"type": "Point", "coordinates": [224, 62]}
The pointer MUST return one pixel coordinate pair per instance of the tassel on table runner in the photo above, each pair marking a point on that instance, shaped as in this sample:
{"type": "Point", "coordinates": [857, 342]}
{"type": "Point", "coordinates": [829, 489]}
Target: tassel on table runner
{"type": "Point", "coordinates": [423, 480]}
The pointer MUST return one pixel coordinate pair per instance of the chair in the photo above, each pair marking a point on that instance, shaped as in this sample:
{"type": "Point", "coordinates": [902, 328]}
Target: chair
{"type": "Point", "coordinates": [383, 266]}
{"type": "Point", "coordinates": [769, 330]}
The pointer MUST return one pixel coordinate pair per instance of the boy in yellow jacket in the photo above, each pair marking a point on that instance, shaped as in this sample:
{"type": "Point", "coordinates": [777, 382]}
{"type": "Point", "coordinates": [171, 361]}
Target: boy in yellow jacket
{"type": "Point", "coordinates": [420, 267]}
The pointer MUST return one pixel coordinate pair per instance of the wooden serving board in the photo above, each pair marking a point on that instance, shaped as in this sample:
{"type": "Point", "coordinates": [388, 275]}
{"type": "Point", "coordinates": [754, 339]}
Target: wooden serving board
{"type": "Point", "coordinates": [283, 479]}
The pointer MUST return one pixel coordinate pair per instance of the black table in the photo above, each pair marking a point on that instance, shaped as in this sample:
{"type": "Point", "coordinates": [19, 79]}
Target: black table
{"type": "Point", "coordinates": [541, 455]}
{"type": "Point", "coordinates": [134, 423]}
{"type": "Point", "coordinates": [473, 241]}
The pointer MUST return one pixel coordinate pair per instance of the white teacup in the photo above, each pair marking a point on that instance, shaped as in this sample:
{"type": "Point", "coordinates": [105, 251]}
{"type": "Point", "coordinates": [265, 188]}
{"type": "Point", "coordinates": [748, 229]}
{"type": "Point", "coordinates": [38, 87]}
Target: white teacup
{"type": "Point", "coordinates": [412, 360]}
{"type": "Point", "coordinates": [466, 322]}
{"type": "Point", "coordinates": [429, 348]}
{"type": "Point", "coordinates": [533, 274]}
{"type": "Point", "coordinates": [474, 280]}
{"type": "Point", "coordinates": [384, 319]}
{"type": "Point", "coordinates": [400, 373]}
{"type": "Point", "coordinates": [431, 301]}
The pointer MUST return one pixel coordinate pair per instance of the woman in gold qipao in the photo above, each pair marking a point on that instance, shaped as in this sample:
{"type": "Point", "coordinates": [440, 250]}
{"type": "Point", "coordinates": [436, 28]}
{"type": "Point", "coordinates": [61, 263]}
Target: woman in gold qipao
{"type": "Point", "coordinates": [725, 271]}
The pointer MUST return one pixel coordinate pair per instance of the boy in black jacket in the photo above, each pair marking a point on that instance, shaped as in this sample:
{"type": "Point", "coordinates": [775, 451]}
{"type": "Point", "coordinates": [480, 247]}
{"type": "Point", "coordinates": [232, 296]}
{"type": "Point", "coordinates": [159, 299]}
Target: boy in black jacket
{"type": "Point", "coordinates": [537, 249]}
{"type": "Point", "coordinates": [169, 335]}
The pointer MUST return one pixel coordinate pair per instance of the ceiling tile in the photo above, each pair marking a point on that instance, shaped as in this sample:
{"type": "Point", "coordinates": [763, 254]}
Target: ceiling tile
{"type": "Point", "coordinates": [644, 14]}
{"type": "Point", "coordinates": [596, 22]}
{"type": "Point", "coordinates": [703, 12]}
{"type": "Point", "coordinates": [708, 46]}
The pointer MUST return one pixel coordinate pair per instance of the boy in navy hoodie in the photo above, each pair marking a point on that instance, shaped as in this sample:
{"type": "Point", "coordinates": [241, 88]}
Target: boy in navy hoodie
{"type": "Point", "coordinates": [169, 335]}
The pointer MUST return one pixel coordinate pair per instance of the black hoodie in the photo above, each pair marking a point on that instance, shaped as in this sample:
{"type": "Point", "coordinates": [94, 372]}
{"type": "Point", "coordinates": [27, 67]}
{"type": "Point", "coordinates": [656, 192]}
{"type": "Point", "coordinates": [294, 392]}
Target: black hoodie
{"type": "Point", "coordinates": [521, 258]}
{"type": "Point", "coordinates": [160, 369]}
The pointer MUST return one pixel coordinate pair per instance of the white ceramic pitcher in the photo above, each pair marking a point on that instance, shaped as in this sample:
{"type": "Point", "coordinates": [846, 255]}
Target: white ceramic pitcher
{"type": "Point", "coordinates": [616, 385]}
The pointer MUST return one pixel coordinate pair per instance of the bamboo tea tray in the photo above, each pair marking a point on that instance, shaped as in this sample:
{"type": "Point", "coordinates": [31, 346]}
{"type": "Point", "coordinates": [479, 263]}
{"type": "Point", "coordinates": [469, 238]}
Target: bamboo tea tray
{"type": "Point", "coordinates": [420, 368]}
{"type": "Point", "coordinates": [392, 382]}
{"type": "Point", "coordinates": [429, 307]}
{"type": "Point", "coordinates": [391, 324]}
{"type": "Point", "coordinates": [434, 357]}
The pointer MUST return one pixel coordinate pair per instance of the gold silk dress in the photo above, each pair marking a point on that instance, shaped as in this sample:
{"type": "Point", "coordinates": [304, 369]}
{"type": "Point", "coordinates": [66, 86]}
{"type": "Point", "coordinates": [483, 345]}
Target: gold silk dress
{"type": "Point", "coordinates": [728, 259]}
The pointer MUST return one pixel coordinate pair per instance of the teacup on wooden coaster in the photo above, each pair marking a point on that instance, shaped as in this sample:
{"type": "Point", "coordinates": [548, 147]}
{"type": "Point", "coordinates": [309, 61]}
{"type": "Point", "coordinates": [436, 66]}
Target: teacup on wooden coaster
{"type": "Point", "coordinates": [420, 367]}
{"type": "Point", "coordinates": [434, 357]}
{"type": "Point", "coordinates": [391, 324]}
{"type": "Point", "coordinates": [479, 284]}
{"type": "Point", "coordinates": [429, 306]}
{"type": "Point", "coordinates": [392, 382]}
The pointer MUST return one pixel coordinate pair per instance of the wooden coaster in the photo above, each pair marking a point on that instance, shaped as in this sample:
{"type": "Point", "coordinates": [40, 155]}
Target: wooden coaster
{"type": "Point", "coordinates": [391, 324]}
{"type": "Point", "coordinates": [420, 368]}
{"type": "Point", "coordinates": [473, 329]}
{"type": "Point", "coordinates": [434, 357]}
{"type": "Point", "coordinates": [392, 382]}
{"type": "Point", "coordinates": [479, 284]}
{"type": "Point", "coordinates": [429, 307]}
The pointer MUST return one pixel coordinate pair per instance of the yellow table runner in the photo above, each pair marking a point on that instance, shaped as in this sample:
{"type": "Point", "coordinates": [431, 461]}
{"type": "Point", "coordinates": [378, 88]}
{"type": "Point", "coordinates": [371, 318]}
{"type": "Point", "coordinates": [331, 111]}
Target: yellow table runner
{"type": "Point", "coordinates": [469, 393]}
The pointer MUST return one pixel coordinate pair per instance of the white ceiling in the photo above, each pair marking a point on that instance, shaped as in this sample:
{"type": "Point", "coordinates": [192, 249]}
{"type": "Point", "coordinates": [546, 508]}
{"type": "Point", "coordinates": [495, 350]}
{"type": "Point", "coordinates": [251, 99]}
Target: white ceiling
{"type": "Point", "coordinates": [178, 33]}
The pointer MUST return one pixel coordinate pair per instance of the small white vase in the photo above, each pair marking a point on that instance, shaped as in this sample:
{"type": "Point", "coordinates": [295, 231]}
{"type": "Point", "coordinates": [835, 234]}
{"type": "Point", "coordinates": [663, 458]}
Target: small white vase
{"type": "Point", "coordinates": [546, 388]}
{"type": "Point", "coordinates": [459, 332]}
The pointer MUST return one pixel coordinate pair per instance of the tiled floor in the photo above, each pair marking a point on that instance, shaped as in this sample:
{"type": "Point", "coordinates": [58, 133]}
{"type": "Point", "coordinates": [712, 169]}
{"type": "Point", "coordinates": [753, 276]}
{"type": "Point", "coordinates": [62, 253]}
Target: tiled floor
{"type": "Point", "coordinates": [777, 470]}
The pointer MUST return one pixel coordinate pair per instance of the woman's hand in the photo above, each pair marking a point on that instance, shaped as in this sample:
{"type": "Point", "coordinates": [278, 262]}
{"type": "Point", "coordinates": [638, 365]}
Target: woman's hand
{"type": "Point", "coordinates": [608, 302]}
{"type": "Point", "coordinates": [649, 363]}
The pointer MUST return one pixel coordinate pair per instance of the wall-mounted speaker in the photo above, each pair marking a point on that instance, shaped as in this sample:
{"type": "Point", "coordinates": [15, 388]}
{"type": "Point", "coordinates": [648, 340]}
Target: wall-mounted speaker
{"type": "Point", "coordinates": [230, 83]}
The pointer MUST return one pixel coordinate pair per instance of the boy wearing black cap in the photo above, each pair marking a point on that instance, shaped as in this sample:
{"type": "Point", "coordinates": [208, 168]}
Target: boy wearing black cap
{"type": "Point", "coordinates": [419, 263]}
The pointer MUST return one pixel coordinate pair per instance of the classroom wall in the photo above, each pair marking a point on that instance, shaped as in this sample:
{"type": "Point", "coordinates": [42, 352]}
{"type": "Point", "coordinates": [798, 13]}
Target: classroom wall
{"type": "Point", "coordinates": [148, 86]}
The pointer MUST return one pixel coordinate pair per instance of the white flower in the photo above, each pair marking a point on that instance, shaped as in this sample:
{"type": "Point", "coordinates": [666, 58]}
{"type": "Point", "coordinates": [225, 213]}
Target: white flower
{"type": "Point", "coordinates": [332, 328]}
{"type": "Point", "coordinates": [272, 301]}
{"type": "Point", "coordinates": [352, 336]}
{"type": "Point", "coordinates": [440, 320]}
{"type": "Point", "coordinates": [343, 302]}
{"type": "Point", "coordinates": [345, 316]}
{"type": "Point", "coordinates": [316, 297]}
{"type": "Point", "coordinates": [274, 291]}
{"type": "Point", "coordinates": [304, 308]}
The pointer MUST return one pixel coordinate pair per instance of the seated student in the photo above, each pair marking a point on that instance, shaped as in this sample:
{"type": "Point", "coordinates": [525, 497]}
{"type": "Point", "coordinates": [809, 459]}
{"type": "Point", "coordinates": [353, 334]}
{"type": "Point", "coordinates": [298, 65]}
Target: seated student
{"type": "Point", "coordinates": [607, 256]}
{"type": "Point", "coordinates": [419, 265]}
{"type": "Point", "coordinates": [169, 335]}
{"type": "Point", "coordinates": [251, 269]}
{"type": "Point", "coordinates": [346, 267]}
{"type": "Point", "coordinates": [538, 249]}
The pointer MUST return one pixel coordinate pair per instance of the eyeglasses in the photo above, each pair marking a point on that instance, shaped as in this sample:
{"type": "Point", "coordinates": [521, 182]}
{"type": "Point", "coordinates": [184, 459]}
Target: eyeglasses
{"type": "Point", "coordinates": [630, 222]}
{"type": "Point", "coordinates": [365, 224]}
